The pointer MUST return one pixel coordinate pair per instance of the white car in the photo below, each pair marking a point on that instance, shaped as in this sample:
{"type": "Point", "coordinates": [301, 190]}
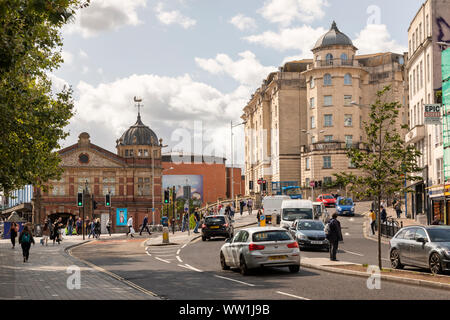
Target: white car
{"type": "Point", "coordinates": [260, 247]}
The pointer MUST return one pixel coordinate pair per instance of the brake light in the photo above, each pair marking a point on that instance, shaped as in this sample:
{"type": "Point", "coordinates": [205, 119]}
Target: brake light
{"type": "Point", "coordinates": [292, 245]}
{"type": "Point", "coordinates": [226, 225]}
{"type": "Point", "coordinates": [203, 226]}
{"type": "Point", "coordinates": [252, 247]}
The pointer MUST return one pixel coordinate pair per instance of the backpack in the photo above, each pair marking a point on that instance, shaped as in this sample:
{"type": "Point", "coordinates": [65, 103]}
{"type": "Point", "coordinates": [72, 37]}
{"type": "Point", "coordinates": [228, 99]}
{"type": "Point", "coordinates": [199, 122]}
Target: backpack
{"type": "Point", "coordinates": [26, 238]}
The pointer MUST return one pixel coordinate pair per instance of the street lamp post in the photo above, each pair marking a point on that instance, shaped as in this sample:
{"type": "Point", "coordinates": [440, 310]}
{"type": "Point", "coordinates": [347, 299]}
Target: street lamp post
{"type": "Point", "coordinates": [232, 158]}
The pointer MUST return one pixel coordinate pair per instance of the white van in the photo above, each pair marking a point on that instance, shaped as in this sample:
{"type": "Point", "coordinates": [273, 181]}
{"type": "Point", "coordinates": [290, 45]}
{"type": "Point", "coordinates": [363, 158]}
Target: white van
{"type": "Point", "coordinates": [320, 211]}
{"type": "Point", "coordinates": [292, 210]}
{"type": "Point", "coordinates": [272, 207]}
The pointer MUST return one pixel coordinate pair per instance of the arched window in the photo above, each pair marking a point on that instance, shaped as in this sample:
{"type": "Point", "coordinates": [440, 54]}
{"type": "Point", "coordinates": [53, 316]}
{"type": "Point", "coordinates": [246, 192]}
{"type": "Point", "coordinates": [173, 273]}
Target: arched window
{"type": "Point", "coordinates": [348, 79]}
{"type": "Point", "coordinates": [327, 81]}
{"type": "Point", "coordinates": [311, 82]}
{"type": "Point", "coordinates": [344, 58]}
{"type": "Point", "coordinates": [329, 58]}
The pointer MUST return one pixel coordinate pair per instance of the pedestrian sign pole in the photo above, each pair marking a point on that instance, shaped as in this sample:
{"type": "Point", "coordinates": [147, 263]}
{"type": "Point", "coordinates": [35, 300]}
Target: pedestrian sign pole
{"type": "Point", "coordinates": [262, 220]}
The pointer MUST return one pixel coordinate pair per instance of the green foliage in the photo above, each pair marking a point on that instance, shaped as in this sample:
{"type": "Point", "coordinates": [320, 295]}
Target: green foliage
{"type": "Point", "coordinates": [32, 116]}
{"type": "Point", "coordinates": [387, 158]}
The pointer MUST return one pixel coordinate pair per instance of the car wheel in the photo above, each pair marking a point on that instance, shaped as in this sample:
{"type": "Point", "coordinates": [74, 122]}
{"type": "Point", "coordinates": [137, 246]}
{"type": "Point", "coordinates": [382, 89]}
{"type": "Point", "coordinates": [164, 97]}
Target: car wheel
{"type": "Point", "coordinates": [395, 260]}
{"type": "Point", "coordinates": [294, 269]}
{"type": "Point", "coordinates": [435, 263]}
{"type": "Point", "coordinates": [243, 266]}
{"type": "Point", "coordinates": [203, 238]}
{"type": "Point", "coordinates": [223, 262]}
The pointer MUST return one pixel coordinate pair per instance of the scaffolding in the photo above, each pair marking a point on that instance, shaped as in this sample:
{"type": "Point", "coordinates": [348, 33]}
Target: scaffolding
{"type": "Point", "coordinates": [446, 122]}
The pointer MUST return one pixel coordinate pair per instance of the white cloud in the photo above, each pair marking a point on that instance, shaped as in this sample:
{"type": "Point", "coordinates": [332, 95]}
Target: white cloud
{"type": "Point", "coordinates": [85, 70]}
{"type": "Point", "coordinates": [243, 23]}
{"type": "Point", "coordinates": [105, 15]}
{"type": "Point", "coordinates": [301, 38]}
{"type": "Point", "coordinates": [83, 54]}
{"type": "Point", "coordinates": [67, 57]}
{"type": "Point", "coordinates": [58, 83]}
{"type": "Point", "coordinates": [285, 12]}
{"type": "Point", "coordinates": [247, 70]}
{"type": "Point", "coordinates": [171, 17]}
{"type": "Point", "coordinates": [376, 38]}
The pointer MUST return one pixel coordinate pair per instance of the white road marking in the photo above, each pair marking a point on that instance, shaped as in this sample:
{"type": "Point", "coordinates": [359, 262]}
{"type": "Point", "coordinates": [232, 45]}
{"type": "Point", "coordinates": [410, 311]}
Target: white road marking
{"type": "Point", "coordinates": [291, 295]}
{"type": "Point", "coordinates": [347, 234]}
{"type": "Point", "coordinates": [148, 253]}
{"type": "Point", "coordinates": [179, 259]}
{"type": "Point", "coordinates": [162, 260]}
{"type": "Point", "coordinates": [165, 255]}
{"type": "Point", "coordinates": [178, 252]}
{"type": "Point", "coordinates": [247, 284]}
{"type": "Point", "coordinates": [190, 267]}
{"type": "Point", "coordinates": [184, 245]}
{"type": "Point", "coordinates": [351, 219]}
{"type": "Point", "coordinates": [355, 253]}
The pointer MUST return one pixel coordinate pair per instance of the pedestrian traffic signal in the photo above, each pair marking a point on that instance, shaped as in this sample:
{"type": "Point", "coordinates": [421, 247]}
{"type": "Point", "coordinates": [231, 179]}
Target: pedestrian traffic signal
{"type": "Point", "coordinates": [320, 183]}
{"type": "Point", "coordinates": [80, 199]}
{"type": "Point", "coordinates": [166, 196]}
{"type": "Point", "coordinates": [108, 200]}
{"type": "Point", "coordinates": [94, 204]}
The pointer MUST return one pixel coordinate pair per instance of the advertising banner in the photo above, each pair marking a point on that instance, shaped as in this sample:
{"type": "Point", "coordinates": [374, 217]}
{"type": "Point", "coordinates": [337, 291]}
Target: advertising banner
{"type": "Point", "coordinates": [121, 216]}
{"type": "Point", "coordinates": [195, 182]}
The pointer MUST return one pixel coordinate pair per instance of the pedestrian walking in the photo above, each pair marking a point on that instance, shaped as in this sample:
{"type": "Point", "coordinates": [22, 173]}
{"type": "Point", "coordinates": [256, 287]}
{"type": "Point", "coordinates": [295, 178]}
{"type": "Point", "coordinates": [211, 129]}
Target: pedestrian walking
{"type": "Point", "coordinates": [46, 232]}
{"type": "Point", "coordinates": [250, 206]}
{"type": "Point", "coordinates": [108, 225]}
{"type": "Point", "coordinates": [13, 232]}
{"type": "Point", "coordinates": [197, 220]}
{"type": "Point", "coordinates": [145, 225]}
{"type": "Point", "coordinates": [69, 226]}
{"type": "Point", "coordinates": [57, 225]}
{"type": "Point", "coordinates": [334, 235]}
{"type": "Point", "coordinates": [185, 222]}
{"type": "Point", "coordinates": [25, 240]}
{"type": "Point", "coordinates": [87, 224]}
{"type": "Point", "coordinates": [79, 226]}
{"type": "Point", "coordinates": [373, 221]}
{"type": "Point", "coordinates": [258, 216]}
{"type": "Point", "coordinates": [241, 207]}
{"type": "Point", "coordinates": [130, 226]}
{"type": "Point", "coordinates": [383, 214]}
{"type": "Point", "coordinates": [97, 228]}
{"type": "Point", "coordinates": [398, 208]}
{"type": "Point", "coordinates": [92, 229]}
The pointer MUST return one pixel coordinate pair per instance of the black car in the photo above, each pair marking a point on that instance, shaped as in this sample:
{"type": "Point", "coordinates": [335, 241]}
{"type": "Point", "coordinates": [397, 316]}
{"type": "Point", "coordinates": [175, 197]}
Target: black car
{"type": "Point", "coordinates": [217, 226]}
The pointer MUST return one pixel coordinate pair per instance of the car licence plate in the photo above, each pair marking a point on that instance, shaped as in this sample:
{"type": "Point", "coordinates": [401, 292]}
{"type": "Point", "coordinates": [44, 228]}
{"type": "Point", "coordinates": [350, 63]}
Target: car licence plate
{"type": "Point", "coordinates": [277, 257]}
{"type": "Point", "coordinates": [316, 242]}
{"type": "Point", "coordinates": [214, 227]}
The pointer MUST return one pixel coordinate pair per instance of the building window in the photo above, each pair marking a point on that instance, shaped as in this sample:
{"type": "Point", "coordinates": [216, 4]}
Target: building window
{"type": "Point", "coordinates": [348, 122]}
{"type": "Point", "coordinates": [420, 32]}
{"type": "Point", "coordinates": [312, 103]}
{"type": "Point", "coordinates": [439, 170]}
{"type": "Point", "coordinates": [351, 165]}
{"type": "Point", "coordinates": [328, 120]}
{"type": "Point", "coordinates": [327, 162]}
{"type": "Point", "coordinates": [414, 81]}
{"type": "Point", "coordinates": [307, 163]}
{"type": "Point", "coordinates": [327, 80]}
{"type": "Point", "coordinates": [328, 138]}
{"type": "Point", "coordinates": [311, 83]}
{"type": "Point", "coordinates": [344, 58]}
{"type": "Point", "coordinates": [329, 59]}
{"type": "Point", "coordinates": [109, 185]}
{"type": "Point", "coordinates": [347, 100]}
{"type": "Point", "coordinates": [328, 100]}
{"type": "Point", "coordinates": [428, 67]}
{"type": "Point", "coordinates": [140, 153]}
{"type": "Point", "coordinates": [348, 141]}
{"type": "Point", "coordinates": [143, 186]}
{"type": "Point", "coordinates": [82, 183]}
{"type": "Point", "coordinates": [313, 139]}
{"type": "Point", "coordinates": [313, 122]}
{"type": "Point", "coordinates": [327, 181]}
{"type": "Point", "coordinates": [58, 188]}
{"type": "Point", "coordinates": [348, 79]}
{"type": "Point", "coordinates": [421, 74]}
{"type": "Point", "coordinates": [427, 25]}
{"type": "Point", "coordinates": [145, 153]}
{"type": "Point", "coordinates": [360, 122]}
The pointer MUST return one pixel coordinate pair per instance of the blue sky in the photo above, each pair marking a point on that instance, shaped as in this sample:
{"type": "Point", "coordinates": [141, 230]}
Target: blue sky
{"type": "Point", "coordinates": [195, 63]}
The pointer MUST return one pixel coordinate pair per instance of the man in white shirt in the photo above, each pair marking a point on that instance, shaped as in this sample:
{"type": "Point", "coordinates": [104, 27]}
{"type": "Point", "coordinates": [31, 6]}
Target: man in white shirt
{"type": "Point", "coordinates": [130, 226]}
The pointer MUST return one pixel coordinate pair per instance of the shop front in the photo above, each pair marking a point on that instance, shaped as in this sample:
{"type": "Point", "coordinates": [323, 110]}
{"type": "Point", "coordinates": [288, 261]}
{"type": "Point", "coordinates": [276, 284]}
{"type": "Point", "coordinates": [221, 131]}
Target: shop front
{"type": "Point", "coordinates": [440, 204]}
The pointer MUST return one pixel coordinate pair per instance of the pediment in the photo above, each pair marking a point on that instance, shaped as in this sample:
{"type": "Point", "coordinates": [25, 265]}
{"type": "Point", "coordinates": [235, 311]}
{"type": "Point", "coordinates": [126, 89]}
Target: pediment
{"type": "Point", "coordinates": [87, 157]}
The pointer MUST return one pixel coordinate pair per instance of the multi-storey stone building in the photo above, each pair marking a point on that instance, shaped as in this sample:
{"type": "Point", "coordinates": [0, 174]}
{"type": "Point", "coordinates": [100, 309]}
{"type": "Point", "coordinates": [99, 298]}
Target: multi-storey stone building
{"type": "Point", "coordinates": [303, 118]}
{"type": "Point", "coordinates": [132, 177]}
{"type": "Point", "coordinates": [427, 29]}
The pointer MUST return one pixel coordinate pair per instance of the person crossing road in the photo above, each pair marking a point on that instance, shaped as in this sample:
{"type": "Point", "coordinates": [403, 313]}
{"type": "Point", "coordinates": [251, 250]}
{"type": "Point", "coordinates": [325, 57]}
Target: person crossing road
{"type": "Point", "coordinates": [145, 226]}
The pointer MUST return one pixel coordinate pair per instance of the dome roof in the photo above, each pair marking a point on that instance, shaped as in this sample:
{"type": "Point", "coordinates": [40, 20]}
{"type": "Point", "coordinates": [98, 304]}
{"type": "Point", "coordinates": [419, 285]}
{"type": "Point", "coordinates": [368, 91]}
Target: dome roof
{"type": "Point", "coordinates": [138, 134]}
{"type": "Point", "coordinates": [333, 37]}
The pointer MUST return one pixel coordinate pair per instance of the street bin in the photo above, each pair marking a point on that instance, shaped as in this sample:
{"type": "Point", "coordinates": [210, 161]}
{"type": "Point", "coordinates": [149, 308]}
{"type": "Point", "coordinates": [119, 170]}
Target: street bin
{"type": "Point", "coordinates": [262, 220]}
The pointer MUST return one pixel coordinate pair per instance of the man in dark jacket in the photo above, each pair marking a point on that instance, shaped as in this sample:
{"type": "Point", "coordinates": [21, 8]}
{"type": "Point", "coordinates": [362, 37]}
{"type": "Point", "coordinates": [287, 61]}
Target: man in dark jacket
{"type": "Point", "coordinates": [334, 235]}
{"type": "Point", "coordinates": [383, 214]}
{"type": "Point", "coordinates": [145, 226]}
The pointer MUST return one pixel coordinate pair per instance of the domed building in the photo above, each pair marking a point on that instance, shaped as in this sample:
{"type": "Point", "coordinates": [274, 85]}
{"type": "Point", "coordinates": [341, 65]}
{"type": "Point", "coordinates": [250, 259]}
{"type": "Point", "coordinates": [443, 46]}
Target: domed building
{"type": "Point", "coordinates": [303, 118]}
{"type": "Point", "coordinates": [132, 177]}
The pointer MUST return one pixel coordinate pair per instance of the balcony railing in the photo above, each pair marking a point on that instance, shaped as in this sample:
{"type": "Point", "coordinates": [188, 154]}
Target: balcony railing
{"type": "Point", "coordinates": [336, 62]}
{"type": "Point", "coordinates": [333, 145]}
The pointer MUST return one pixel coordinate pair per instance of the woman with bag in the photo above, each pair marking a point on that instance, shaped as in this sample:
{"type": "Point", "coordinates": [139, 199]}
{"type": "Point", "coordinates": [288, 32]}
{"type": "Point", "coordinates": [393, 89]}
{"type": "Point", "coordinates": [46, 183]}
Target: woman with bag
{"type": "Point", "coordinates": [25, 240]}
{"type": "Point", "coordinates": [45, 232]}
{"type": "Point", "coordinates": [13, 232]}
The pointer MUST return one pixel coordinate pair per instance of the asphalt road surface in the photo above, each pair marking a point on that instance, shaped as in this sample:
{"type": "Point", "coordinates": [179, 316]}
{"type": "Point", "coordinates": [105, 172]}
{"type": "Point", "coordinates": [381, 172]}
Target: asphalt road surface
{"type": "Point", "coordinates": [193, 271]}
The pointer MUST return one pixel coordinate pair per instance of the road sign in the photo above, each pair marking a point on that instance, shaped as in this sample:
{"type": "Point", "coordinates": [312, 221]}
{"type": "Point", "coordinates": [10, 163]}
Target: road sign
{"type": "Point", "coordinates": [259, 181]}
{"type": "Point", "coordinates": [432, 114]}
{"type": "Point", "coordinates": [312, 184]}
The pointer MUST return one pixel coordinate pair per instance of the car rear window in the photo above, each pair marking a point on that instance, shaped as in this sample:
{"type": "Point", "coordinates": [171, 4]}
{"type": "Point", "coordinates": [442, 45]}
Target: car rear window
{"type": "Point", "coordinates": [271, 236]}
{"type": "Point", "coordinates": [215, 220]}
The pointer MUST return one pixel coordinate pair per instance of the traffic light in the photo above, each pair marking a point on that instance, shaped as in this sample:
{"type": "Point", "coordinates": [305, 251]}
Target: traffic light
{"type": "Point", "coordinates": [166, 196]}
{"type": "Point", "coordinates": [250, 185]}
{"type": "Point", "coordinates": [264, 188]}
{"type": "Point", "coordinates": [316, 184]}
{"type": "Point", "coordinates": [80, 199]}
{"type": "Point", "coordinates": [94, 204]}
{"type": "Point", "coordinates": [320, 184]}
{"type": "Point", "coordinates": [108, 200]}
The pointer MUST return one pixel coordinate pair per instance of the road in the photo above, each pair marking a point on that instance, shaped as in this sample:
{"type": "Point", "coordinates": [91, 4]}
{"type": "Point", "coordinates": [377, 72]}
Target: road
{"type": "Point", "coordinates": [192, 271]}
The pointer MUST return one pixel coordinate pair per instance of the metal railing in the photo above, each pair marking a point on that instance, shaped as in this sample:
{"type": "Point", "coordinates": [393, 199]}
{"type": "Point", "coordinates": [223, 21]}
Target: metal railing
{"type": "Point", "coordinates": [208, 206]}
{"type": "Point", "coordinates": [390, 227]}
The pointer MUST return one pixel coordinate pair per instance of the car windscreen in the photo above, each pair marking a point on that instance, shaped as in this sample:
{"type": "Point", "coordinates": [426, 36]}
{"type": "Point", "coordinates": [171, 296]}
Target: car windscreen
{"type": "Point", "coordinates": [276, 235]}
{"type": "Point", "coordinates": [310, 225]}
{"type": "Point", "coordinates": [345, 202]}
{"type": "Point", "coordinates": [439, 235]}
{"type": "Point", "coordinates": [291, 214]}
{"type": "Point", "coordinates": [328, 197]}
{"type": "Point", "coordinates": [215, 220]}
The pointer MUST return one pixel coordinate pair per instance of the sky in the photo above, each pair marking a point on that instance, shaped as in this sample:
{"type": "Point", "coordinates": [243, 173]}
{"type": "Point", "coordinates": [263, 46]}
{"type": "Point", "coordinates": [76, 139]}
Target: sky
{"type": "Point", "coordinates": [195, 63]}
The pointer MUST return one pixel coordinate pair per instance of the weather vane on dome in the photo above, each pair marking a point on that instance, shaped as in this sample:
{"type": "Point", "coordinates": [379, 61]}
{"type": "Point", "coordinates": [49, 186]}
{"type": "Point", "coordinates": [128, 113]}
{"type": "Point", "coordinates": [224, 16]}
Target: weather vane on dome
{"type": "Point", "coordinates": [138, 101]}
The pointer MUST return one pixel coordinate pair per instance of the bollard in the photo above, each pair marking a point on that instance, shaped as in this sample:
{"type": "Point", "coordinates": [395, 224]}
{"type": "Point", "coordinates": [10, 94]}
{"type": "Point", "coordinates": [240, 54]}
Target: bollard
{"type": "Point", "coordinates": [165, 238]}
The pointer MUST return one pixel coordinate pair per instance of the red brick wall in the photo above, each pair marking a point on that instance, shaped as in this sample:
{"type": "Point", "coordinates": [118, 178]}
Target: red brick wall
{"type": "Point", "coordinates": [239, 186]}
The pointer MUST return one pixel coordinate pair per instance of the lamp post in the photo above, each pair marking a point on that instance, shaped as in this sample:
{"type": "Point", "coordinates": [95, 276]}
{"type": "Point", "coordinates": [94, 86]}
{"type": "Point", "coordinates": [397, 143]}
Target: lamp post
{"type": "Point", "coordinates": [86, 190]}
{"type": "Point", "coordinates": [232, 158]}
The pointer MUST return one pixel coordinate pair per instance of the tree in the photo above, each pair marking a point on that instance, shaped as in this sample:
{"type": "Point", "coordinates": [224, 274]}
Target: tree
{"type": "Point", "coordinates": [387, 160]}
{"type": "Point", "coordinates": [32, 116]}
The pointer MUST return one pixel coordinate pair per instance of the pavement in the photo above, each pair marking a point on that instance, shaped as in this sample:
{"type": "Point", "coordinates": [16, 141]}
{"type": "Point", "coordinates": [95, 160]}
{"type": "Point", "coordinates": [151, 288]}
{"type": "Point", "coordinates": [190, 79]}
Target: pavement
{"type": "Point", "coordinates": [50, 274]}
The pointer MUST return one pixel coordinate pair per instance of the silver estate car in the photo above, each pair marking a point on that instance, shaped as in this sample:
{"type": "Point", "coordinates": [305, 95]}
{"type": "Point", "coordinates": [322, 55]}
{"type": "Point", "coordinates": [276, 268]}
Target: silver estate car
{"type": "Point", "coordinates": [260, 247]}
{"type": "Point", "coordinates": [427, 247]}
{"type": "Point", "coordinates": [310, 234]}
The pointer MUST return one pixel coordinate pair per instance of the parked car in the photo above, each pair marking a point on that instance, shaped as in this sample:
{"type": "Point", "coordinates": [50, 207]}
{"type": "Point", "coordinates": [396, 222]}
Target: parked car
{"type": "Point", "coordinates": [327, 199]}
{"type": "Point", "coordinates": [345, 206]}
{"type": "Point", "coordinates": [260, 247]}
{"type": "Point", "coordinates": [427, 247]}
{"type": "Point", "coordinates": [310, 234]}
{"type": "Point", "coordinates": [217, 226]}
